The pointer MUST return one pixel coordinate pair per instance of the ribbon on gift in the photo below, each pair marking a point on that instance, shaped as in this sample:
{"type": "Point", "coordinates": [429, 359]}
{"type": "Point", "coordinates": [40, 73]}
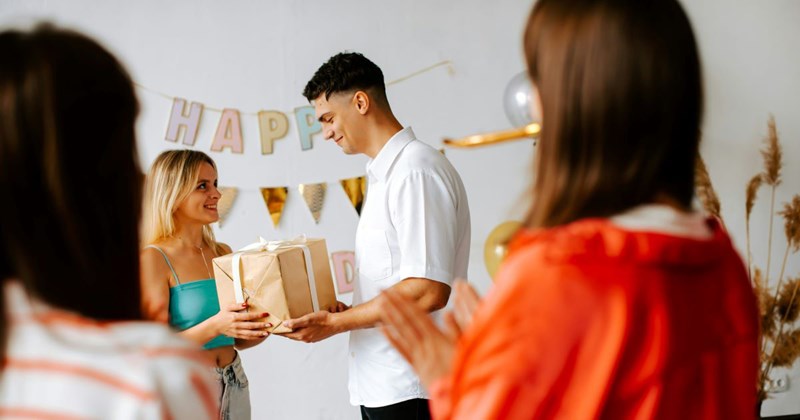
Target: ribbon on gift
{"type": "Point", "coordinates": [271, 246]}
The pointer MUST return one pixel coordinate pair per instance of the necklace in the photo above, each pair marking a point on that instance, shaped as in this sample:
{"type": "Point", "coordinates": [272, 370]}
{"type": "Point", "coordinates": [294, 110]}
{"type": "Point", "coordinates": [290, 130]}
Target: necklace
{"type": "Point", "coordinates": [203, 255]}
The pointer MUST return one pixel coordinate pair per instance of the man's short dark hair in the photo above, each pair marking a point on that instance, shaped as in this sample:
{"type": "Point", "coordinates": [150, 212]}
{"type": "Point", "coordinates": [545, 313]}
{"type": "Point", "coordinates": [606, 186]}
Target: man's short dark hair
{"type": "Point", "coordinates": [345, 72]}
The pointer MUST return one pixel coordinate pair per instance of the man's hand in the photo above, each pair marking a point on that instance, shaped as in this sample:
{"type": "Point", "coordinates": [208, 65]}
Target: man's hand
{"type": "Point", "coordinates": [340, 307]}
{"type": "Point", "coordinates": [313, 327]}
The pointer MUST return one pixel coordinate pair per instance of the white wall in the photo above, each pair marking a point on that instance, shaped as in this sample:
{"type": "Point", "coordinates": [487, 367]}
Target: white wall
{"type": "Point", "coordinates": [257, 55]}
{"type": "Point", "coordinates": [752, 70]}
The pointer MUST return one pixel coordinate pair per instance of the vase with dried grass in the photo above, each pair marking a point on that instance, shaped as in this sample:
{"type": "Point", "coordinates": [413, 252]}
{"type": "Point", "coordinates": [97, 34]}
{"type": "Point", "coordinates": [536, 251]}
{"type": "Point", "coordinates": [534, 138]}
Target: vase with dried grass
{"type": "Point", "coordinates": [779, 306]}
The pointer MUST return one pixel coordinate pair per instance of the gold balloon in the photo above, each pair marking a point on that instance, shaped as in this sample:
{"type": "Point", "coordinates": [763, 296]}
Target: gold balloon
{"type": "Point", "coordinates": [495, 248]}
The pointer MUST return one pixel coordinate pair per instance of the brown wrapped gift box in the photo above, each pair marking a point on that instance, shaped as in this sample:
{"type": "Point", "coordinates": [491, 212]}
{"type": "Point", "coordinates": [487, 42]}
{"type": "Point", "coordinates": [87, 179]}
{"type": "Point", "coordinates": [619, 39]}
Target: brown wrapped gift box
{"type": "Point", "coordinates": [275, 280]}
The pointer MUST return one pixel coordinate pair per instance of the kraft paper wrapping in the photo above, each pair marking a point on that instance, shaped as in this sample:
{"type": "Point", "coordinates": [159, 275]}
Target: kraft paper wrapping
{"type": "Point", "coordinates": [275, 279]}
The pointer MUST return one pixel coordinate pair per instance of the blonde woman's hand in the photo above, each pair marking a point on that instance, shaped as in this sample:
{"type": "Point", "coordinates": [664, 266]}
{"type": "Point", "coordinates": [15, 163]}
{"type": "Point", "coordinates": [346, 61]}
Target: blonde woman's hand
{"type": "Point", "coordinates": [232, 322]}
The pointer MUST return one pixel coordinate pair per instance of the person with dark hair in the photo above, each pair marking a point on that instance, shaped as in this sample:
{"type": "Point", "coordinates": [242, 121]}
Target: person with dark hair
{"type": "Point", "coordinates": [413, 236]}
{"type": "Point", "coordinates": [72, 336]}
{"type": "Point", "coordinates": [617, 300]}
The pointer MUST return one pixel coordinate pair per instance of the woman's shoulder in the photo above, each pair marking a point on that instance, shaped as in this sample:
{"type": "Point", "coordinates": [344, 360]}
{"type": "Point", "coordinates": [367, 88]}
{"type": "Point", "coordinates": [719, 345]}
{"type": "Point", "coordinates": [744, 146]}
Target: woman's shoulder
{"type": "Point", "coordinates": [110, 361]}
{"type": "Point", "coordinates": [47, 332]}
{"type": "Point", "coordinates": [155, 258]}
{"type": "Point", "coordinates": [158, 249]}
{"type": "Point", "coordinates": [557, 262]}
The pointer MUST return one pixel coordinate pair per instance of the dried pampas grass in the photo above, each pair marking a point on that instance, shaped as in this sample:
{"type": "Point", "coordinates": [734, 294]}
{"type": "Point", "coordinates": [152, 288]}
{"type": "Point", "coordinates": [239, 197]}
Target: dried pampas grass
{"type": "Point", "coordinates": [791, 226]}
{"type": "Point", "coordinates": [705, 190]}
{"type": "Point", "coordinates": [773, 155]}
{"type": "Point", "coordinates": [779, 307]}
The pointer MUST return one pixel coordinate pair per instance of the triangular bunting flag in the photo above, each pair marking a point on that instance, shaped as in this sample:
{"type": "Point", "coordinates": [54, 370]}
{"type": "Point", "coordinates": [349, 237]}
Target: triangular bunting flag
{"type": "Point", "coordinates": [275, 199]}
{"type": "Point", "coordinates": [356, 189]}
{"type": "Point", "coordinates": [226, 202]}
{"type": "Point", "coordinates": [314, 196]}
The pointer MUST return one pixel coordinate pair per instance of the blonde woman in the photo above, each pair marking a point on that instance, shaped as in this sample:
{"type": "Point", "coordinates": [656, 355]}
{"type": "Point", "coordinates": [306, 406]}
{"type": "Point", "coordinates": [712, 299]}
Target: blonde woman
{"type": "Point", "coordinates": [178, 285]}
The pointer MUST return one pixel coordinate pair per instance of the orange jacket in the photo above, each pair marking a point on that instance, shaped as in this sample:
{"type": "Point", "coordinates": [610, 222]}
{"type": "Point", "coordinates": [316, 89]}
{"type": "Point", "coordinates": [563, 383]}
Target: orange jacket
{"type": "Point", "coordinates": [591, 321]}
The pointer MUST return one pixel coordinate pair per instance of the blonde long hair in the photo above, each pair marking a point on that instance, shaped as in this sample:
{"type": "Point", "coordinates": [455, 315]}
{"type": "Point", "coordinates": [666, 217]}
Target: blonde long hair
{"type": "Point", "coordinates": [171, 178]}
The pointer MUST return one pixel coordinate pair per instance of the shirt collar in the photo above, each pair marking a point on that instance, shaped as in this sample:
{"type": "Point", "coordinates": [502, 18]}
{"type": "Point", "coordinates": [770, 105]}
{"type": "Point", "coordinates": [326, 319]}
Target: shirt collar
{"type": "Point", "coordinates": [380, 165]}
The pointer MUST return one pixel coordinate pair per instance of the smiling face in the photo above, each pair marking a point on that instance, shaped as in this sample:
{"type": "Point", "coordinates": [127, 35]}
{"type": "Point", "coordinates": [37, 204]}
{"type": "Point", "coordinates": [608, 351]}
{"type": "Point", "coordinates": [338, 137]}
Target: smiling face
{"type": "Point", "coordinates": [342, 120]}
{"type": "Point", "coordinates": [200, 206]}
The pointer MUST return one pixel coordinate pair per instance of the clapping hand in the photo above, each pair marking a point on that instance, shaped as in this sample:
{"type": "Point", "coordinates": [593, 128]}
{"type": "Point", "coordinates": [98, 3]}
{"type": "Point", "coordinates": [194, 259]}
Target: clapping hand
{"type": "Point", "coordinates": [411, 331]}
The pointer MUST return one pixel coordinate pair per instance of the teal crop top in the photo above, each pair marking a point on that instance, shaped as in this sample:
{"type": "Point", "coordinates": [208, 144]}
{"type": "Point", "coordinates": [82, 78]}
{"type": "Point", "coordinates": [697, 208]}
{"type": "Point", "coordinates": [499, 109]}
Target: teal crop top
{"type": "Point", "coordinates": [192, 303]}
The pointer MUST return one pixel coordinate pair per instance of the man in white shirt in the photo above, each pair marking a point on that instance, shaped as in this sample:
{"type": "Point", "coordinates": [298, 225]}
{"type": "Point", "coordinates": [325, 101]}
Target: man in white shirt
{"type": "Point", "coordinates": [413, 236]}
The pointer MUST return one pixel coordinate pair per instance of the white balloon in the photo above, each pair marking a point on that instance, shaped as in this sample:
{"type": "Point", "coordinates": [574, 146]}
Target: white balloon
{"type": "Point", "coordinates": [520, 102]}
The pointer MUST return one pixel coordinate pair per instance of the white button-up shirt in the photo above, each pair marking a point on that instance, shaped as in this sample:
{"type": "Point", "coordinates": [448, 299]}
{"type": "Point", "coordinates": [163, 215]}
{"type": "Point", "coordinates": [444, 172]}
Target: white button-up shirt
{"type": "Point", "coordinates": [415, 223]}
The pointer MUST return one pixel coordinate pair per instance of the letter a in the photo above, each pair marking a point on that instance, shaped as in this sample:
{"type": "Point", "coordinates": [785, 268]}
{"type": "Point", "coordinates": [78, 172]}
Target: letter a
{"type": "Point", "coordinates": [229, 132]}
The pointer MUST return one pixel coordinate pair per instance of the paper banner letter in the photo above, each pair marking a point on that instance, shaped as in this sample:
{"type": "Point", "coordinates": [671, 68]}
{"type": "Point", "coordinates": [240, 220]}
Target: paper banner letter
{"type": "Point", "coordinates": [272, 125]}
{"type": "Point", "coordinates": [344, 263]}
{"type": "Point", "coordinates": [226, 202]}
{"type": "Point", "coordinates": [229, 132]}
{"type": "Point", "coordinates": [307, 125]}
{"type": "Point", "coordinates": [275, 199]}
{"type": "Point", "coordinates": [180, 119]}
{"type": "Point", "coordinates": [356, 189]}
{"type": "Point", "coordinates": [314, 196]}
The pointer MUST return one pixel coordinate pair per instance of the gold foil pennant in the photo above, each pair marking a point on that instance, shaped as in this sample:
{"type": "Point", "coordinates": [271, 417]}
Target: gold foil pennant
{"type": "Point", "coordinates": [226, 202]}
{"type": "Point", "coordinates": [356, 190]}
{"type": "Point", "coordinates": [314, 196]}
{"type": "Point", "coordinates": [275, 199]}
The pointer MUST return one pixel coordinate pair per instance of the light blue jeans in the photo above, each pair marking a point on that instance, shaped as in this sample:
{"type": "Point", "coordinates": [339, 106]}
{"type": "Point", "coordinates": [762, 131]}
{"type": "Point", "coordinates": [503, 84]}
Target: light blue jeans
{"type": "Point", "coordinates": [234, 399]}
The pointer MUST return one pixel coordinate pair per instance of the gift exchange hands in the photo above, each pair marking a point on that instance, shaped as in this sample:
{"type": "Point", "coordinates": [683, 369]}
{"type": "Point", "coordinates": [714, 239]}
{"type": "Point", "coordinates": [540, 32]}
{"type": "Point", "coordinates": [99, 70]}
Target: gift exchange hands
{"type": "Point", "coordinates": [232, 322]}
{"type": "Point", "coordinates": [315, 326]}
{"type": "Point", "coordinates": [427, 349]}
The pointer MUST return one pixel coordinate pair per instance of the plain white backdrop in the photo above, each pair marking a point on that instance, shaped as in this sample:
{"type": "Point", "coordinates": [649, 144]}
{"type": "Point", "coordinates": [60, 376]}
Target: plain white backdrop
{"type": "Point", "coordinates": [257, 55]}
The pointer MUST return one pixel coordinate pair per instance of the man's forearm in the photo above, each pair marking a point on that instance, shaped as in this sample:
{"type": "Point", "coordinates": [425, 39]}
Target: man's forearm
{"type": "Point", "coordinates": [429, 294]}
{"type": "Point", "coordinates": [361, 316]}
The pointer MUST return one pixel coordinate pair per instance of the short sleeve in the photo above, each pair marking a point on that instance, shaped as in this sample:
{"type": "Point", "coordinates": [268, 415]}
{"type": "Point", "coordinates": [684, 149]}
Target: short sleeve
{"type": "Point", "coordinates": [424, 217]}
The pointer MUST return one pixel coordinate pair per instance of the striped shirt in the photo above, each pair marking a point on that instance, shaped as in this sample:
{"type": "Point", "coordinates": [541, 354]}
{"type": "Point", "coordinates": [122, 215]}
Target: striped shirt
{"type": "Point", "coordinates": [60, 365]}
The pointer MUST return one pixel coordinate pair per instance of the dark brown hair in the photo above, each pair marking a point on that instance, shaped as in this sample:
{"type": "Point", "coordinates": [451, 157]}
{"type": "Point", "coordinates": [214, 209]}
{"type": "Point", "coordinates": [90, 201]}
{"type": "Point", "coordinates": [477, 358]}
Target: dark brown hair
{"type": "Point", "coordinates": [69, 175]}
{"type": "Point", "coordinates": [347, 72]}
{"type": "Point", "coordinates": [621, 95]}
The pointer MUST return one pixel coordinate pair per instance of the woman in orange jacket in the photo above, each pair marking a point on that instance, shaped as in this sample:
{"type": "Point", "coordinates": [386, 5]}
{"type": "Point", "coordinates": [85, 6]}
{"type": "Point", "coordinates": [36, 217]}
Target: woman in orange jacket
{"type": "Point", "coordinates": [617, 299]}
